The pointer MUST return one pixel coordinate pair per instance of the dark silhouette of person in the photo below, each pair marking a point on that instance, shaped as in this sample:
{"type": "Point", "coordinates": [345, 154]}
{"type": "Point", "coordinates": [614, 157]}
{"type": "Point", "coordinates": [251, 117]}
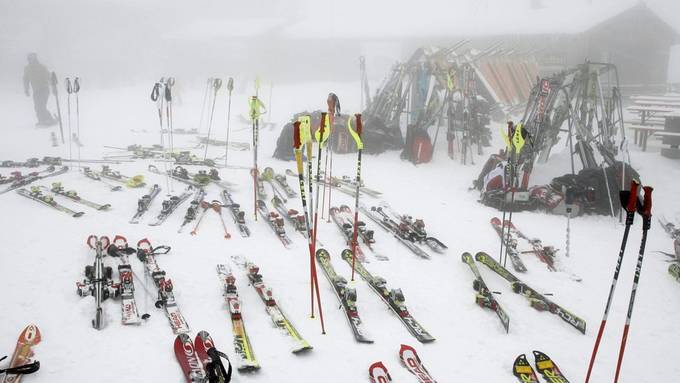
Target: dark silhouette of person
{"type": "Point", "coordinates": [38, 77]}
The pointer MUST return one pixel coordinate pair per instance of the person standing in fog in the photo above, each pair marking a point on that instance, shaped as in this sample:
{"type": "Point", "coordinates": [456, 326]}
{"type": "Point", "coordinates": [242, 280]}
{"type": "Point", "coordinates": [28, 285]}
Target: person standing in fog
{"type": "Point", "coordinates": [37, 76]}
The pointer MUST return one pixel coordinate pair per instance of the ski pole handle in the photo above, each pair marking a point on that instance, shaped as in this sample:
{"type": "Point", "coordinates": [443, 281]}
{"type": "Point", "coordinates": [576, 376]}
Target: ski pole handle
{"type": "Point", "coordinates": [217, 84]}
{"type": "Point", "coordinates": [632, 198]}
{"type": "Point", "coordinates": [230, 84]}
{"type": "Point", "coordinates": [168, 93]}
{"type": "Point", "coordinates": [69, 87]}
{"type": "Point", "coordinates": [359, 126]}
{"type": "Point", "coordinates": [296, 135]}
{"type": "Point", "coordinates": [170, 82]}
{"type": "Point", "coordinates": [76, 85]}
{"type": "Point", "coordinates": [647, 208]}
{"type": "Point", "coordinates": [155, 91]}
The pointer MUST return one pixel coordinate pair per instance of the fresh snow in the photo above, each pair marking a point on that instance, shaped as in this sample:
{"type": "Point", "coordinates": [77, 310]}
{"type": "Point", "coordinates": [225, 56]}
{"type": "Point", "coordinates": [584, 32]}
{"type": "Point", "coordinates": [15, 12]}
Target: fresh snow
{"type": "Point", "coordinates": [44, 254]}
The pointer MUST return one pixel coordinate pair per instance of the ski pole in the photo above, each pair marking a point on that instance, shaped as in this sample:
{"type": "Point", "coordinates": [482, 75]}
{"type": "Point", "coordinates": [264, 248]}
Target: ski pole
{"type": "Point", "coordinates": [508, 152]}
{"type": "Point", "coordinates": [628, 201]}
{"type": "Point", "coordinates": [333, 109]}
{"type": "Point", "coordinates": [155, 97]}
{"type": "Point", "coordinates": [69, 90]}
{"type": "Point", "coordinates": [360, 145]}
{"type": "Point", "coordinates": [76, 89]}
{"type": "Point", "coordinates": [230, 87]}
{"type": "Point", "coordinates": [217, 84]}
{"type": "Point", "coordinates": [205, 97]}
{"type": "Point", "coordinates": [321, 138]}
{"type": "Point", "coordinates": [205, 207]}
{"type": "Point", "coordinates": [646, 212]}
{"type": "Point", "coordinates": [53, 80]}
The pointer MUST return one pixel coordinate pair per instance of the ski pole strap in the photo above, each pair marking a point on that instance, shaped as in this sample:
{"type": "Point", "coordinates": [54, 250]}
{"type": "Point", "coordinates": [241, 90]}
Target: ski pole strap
{"type": "Point", "coordinates": [217, 84]}
{"type": "Point", "coordinates": [155, 91]}
{"type": "Point", "coordinates": [76, 85]}
{"type": "Point", "coordinates": [25, 369]}
{"type": "Point", "coordinates": [356, 135]}
{"type": "Point", "coordinates": [69, 87]}
{"type": "Point", "coordinates": [230, 84]}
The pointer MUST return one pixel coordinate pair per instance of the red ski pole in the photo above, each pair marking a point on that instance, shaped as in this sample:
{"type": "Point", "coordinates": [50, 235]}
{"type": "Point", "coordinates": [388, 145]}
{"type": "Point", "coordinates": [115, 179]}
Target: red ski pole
{"type": "Point", "coordinates": [357, 137]}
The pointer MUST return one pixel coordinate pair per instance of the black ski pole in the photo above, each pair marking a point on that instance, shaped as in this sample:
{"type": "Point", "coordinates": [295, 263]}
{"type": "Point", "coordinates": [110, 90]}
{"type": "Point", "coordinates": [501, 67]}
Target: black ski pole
{"type": "Point", "coordinates": [230, 87]}
{"type": "Point", "coordinates": [217, 84]}
{"type": "Point", "coordinates": [53, 80]}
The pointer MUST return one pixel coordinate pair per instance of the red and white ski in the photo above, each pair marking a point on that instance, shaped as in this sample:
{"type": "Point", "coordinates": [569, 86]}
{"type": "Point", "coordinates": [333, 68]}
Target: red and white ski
{"type": "Point", "coordinates": [378, 373]}
{"type": "Point", "coordinates": [23, 351]}
{"type": "Point", "coordinates": [409, 357]}
{"type": "Point", "coordinates": [188, 359]}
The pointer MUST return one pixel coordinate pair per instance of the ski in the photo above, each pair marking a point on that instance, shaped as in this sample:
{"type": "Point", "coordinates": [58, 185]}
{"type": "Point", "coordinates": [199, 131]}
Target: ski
{"type": "Point", "coordinates": [242, 346]}
{"type": "Point", "coordinates": [236, 213]}
{"type": "Point", "coordinates": [32, 177]}
{"type": "Point", "coordinates": [484, 297]}
{"type": "Point", "coordinates": [98, 279]}
{"type": "Point", "coordinates": [195, 203]}
{"type": "Point", "coordinates": [291, 215]}
{"type": "Point", "coordinates": [546, 367]}
{"type": "Point", "coordinates": [93, 175]}
{"type": "Point", "coordinates": [46, 199]}
{"type": "Point", "coordinates": [416, 231]}
{"type": "Point", "coordinates": [378, 373]}
{"type": "Point", "coordinates": [268, 176]}
{"type": "Point", "coordinates": [394, 299]}
{"type": "Point", "coordinates": [113, 175]}
{"type": "Point", "coordinates": [166, 296]}
{"type": "Point", "coordinates": [346, 214]}
{"type": "Point", "coordinates": [409, 357]}
{"type": "Point", "coordinates": [523, 371]}
{"type": "Point", "coordinates": [187, 357]}
{"type": "Point", "coordinates": [346, 229]}
{"type": "Point", "coordinates": [510, 242]}
{"type": "Point", "coordinates": [17, 176]}
{"type": "Point", "coordinates": [58, 189]}
{"type": "Point", "coordinates": [211, 359]}
{"type": "Point", "coordinates": [23, 352]}
{"type": "Point", "coordinates": [537, 300]}
{"type": "Point", "coordinates": [345, 294]}
{"type": "Point", "coordinates": [281, 180]}
{"type": "Point", "coordinates": [275, 222]}
{"type": "Point", "coordinates": [120, 249]}
{"type": "Point", "coordinates": [273, 309]}
{"type": "Point", "coordinates": [347, 180]}
{"type": "Point", "coordinates": [379, 217]}
{"type": "Point", "coordinates": [144, 203]}
{"type": "Point", "coordinates": [170, 205]}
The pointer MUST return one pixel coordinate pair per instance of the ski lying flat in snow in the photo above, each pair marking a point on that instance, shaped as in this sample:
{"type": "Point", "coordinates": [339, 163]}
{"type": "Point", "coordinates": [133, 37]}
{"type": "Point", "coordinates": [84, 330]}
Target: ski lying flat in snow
{"type": "Point", "coordinates": [242, 347]}
{"type": "Point", "coordinates": [349, 181]}
{"type": "Point", "coordinates": [273, 309]}
{"type": "Point", "coordinates": [523, 371]}
{"type": "Point", "coordinates": [195, 203]}
{"type": "Point", "coordinates": [211, 359]}
{"type": "Point", "coordinates": [144, 203]}
{"type": "Point", "coordinates": [537, 300]}
{"type": "Point", "coordinates": [93, 175]}
{"type": "Point", "coordinates": [236, 213]}
{"type": "Point", "coordinates": [47, 200]}
{"type": "Point", "coordinates": [23, 352]}
{"type": "Point", "coordinates": [281, 180]}
{"type": "Point", "coordinates": [484, 297]}
{"type": "Point", "coordinates": [58, 189]}
{"type": "Point", "coordinates": [30, 178]}
{"type": "Point", "coordinates": [347, 216]}
{"type": "Point", "coordinates": [291, 215]}
{"type": "Point", "coordinates": [394, 299]}
{"type": "Point", "coordinates": [275, 222]}
{"type": "Point", "coordinates": [113, 175]}
{"type": "Point", "coordinates": [393, 227]}
{"type": "Point", "coordinates": [409, 357]}
{"type": "Point", "coordinates": [510, 243]}
{"type": "Point", "coordinates": [187, 357]}
{"type": "Point", "coordinates": [672, 230]}
{"type": "Point", "coordinates": [179, 174]}
{"type": "Point", "coordinates": [347, 231]}
{"type": "Point", "coordinates": [119, 248]}
{"type": "Point", "coordinates": [346, 295]}
{"type": "Point", "coordinates": [378, 373]}
{"type": "Point", "coordinates": [546, 367]}
{"type": "Point", "coordinates": [166, 297]}
{"type": "Point", "coordinates": [171, 204]}
{"type": "Point", "coordinates": [415, 229]}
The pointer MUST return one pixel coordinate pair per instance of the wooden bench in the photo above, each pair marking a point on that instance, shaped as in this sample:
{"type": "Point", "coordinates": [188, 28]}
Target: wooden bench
{"type": "Point", "coordinates": [642, 133]}
{"type": "Point", "coordinates": [672, 152]}
{"type": "Point", "coordinates": [649, 111]}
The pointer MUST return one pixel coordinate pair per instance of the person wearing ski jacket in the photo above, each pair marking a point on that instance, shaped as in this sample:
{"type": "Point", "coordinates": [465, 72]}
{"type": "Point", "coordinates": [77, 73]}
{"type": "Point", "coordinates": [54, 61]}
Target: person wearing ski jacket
{"type": "Point", "coordinates": [37, 77]}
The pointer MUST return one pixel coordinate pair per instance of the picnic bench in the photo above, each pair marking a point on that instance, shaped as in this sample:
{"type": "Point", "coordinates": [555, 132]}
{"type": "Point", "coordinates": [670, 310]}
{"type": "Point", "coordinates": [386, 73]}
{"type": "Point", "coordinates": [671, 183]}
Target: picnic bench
{"type": "Point", "coordinates": [650, 111]}
{"type": "Point", "coordinates": [642, 133]}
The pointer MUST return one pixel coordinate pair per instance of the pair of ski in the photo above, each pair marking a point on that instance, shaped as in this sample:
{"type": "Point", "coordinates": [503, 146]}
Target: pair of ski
{"type": "Point", "coordinates": [93, 175]}
{"type": "Point", "coordinates": [58, 189]}
{"type": "Point", "coordinates": [275, 222]}
{"type": "Point", "coordinates": [378, 373]}
{"type": "Point", "coordinates": [277, 182]}
{"type": "Point", "coordinates": [144, 202]}
{"type": "Point", "coordinates": [114, 175]}
{"type": "Point", "coordinates": [21, 181]}
{"type": "Point", "coordinates": [17, 177]}
{"type": "Point", "coordinates": [545, 366]}
{"type": "Point", "coordinates": [200, 360]}
{"type": "Point", "coordinates": [415, 229]}
{"type": "Point", "coordinates": [343, 218]}
{"type": "Point", "coordinates": [98, 280]}
{"type": "Point", "coordinates": [537, 300]}
{"type": "Point", "coordinates": [393, 298]}
{"type": "Point", "coordinates": [179, 173]}
{"type": "Point", "coordinates": [22, 362]}
{"type": "Point", "coordinates": [377, 215]}
{"type": "Point", "coordinates": [37, 195]}
{"type": "Point", "coordinates": [171, 204]}
{"type": "Point", "coordinates": [236, 213]}
{"type": "Point", "coordinates": [350, 182]}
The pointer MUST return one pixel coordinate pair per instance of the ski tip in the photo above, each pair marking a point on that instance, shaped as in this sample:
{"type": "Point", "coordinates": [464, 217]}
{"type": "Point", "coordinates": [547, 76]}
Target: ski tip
{"type": "Point", "coordinates": [404, 348]}
{"type": "Point", "coordinates": [30, 335]}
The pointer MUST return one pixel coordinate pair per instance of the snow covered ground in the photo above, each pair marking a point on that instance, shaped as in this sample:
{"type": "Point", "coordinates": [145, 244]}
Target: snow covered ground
{"type": "Point", "coordinates": [44, 254]}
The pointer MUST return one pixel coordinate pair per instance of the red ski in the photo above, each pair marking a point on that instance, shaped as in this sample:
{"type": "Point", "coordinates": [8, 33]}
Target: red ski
{"type": "Point", "coordinates": [409, 357]}
{"type": "Point", "coordinates": [23, 351]}
{"type": "Point", "coordinates": [188, 359]}
{"type": "Point", "coordinates": [378, 373]}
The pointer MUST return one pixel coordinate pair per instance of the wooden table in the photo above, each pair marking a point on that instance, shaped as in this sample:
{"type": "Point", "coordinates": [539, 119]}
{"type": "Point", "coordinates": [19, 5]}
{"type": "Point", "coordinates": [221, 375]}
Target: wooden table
{"type": "Point", "coordinates": [642, 133]}
{"type": "Point", "coordinates": [649, 111]}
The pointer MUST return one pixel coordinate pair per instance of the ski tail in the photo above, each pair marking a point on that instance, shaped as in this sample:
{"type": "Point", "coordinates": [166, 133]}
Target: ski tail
{"type": "Point", "coordinates": [414, 365]}
{"type": "Point", "coordinates": [378, 373]}
{"type": "Point", "coordinates": [523, 370]}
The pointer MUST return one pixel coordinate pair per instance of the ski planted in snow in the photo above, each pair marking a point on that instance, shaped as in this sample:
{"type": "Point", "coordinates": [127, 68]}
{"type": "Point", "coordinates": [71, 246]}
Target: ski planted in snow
{"type": "Point", "coordinates": [242, 346]}
{"type": "Point", "coordinates": [537, 300]}
{"type": "Point", "coordinates": [484, 296]}
{"type": "Point", "coordinates": [144, 203]}
{"type": "Point", "coordinates": [345, 294]}
{"type": "Point", "coordinates": [36, 195]}
{"type": "Point", "coordinates": [170, 205]}
{"type": "Point", "coordinates": [273, 309]}
{"type": "Point", "coordinates": [409, 357]}
{"type": "Point", "coordinates": [394, 299]}
{"type": "Point", "coordinates": [236, 213]}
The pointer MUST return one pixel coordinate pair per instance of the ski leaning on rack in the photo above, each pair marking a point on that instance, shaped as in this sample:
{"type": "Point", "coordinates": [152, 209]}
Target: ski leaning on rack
{"type": "Point", "coordinates": [36, 195]}
{"type": "Point", "coordinates": [166, 296]}
{"type": "Point", "coordinates": [537, 300]}
{"type": "Point", "coordinates": [120, 249]}
{"type": "Point", "coordinates": [409, 357]}
{"type": "Point", "coordinates": [345, 294]}
{"type": "Point", "coordinates": [242, 346]}
{"type": "Point", "coordinates": [394, 299]}
{"type": "Point", "coordinates": [170, 205]}
{"type": "Point", "coordinates": [144, 203]}
{"type": "Point", "coordinates": [22, 361]}
{"type": "Point", "coordinates": [510, 243]}
{"type": "Point", "coordinates": [236, 213]}
{"type": "Point", "coordinates": [275, 222]}
{"type": "Point", "coordinates": [273, 309]}
{"type": "Point", "coordinates": [378, 373]}
{"type": "Point", "coordinates": [211, 359]}
{"type": "Point", "coordinates": [58, 189]}
{"type": "Point", "coordinates": [484, 297]}
{"type": "Point", "coordinates": [377, 216]}
{"type": "Point", "coordinates": [32, 177]}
